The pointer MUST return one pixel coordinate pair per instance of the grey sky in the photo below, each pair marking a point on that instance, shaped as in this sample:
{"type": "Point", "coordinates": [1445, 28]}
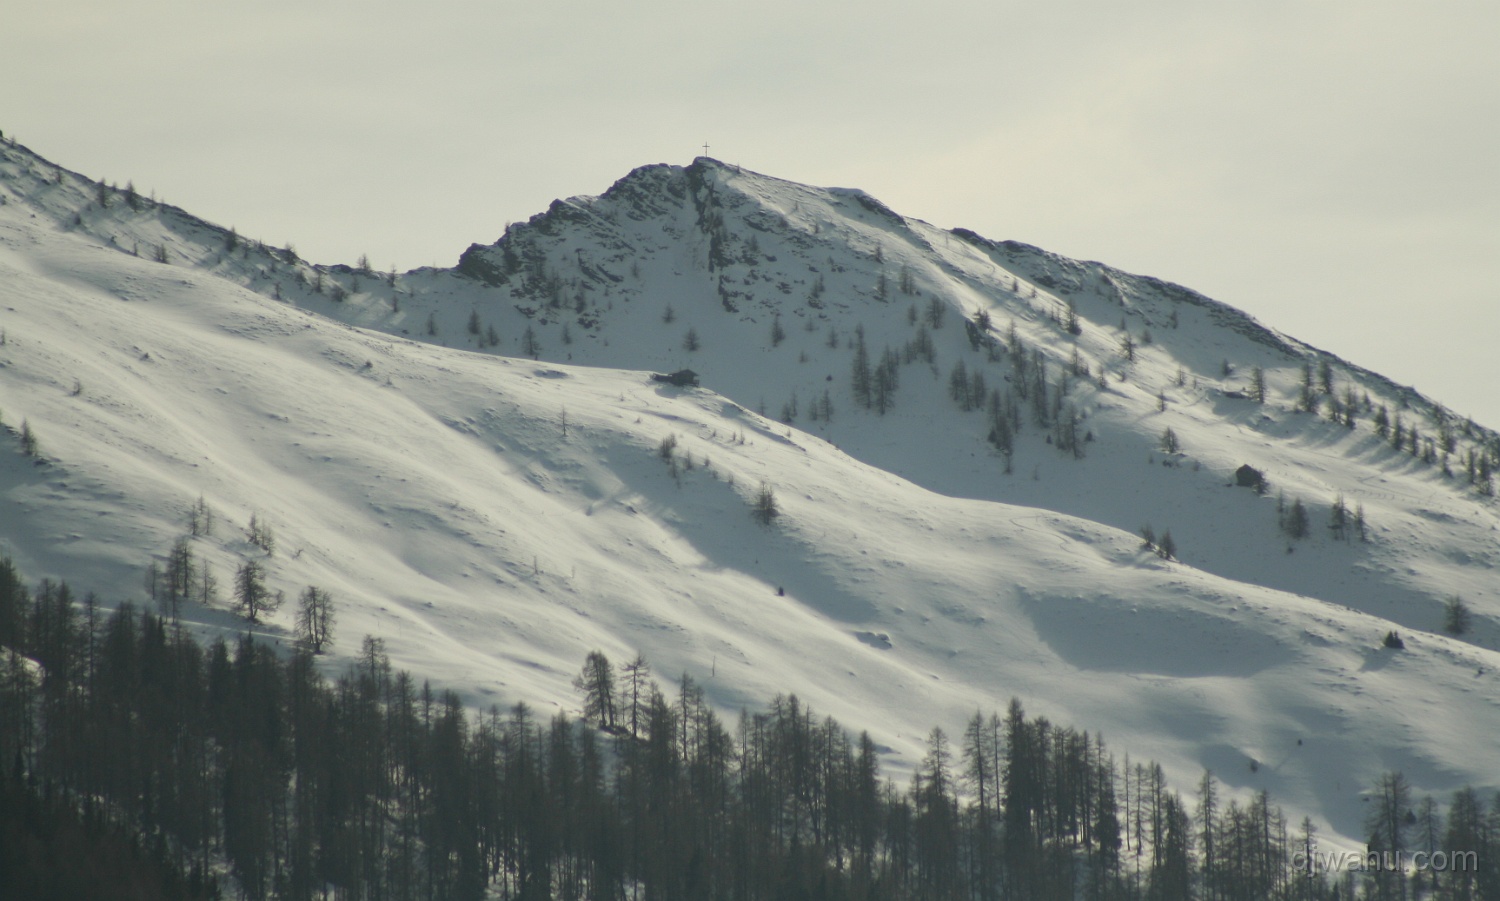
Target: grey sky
{"type": "Point", "coordinates": [1330, 167]}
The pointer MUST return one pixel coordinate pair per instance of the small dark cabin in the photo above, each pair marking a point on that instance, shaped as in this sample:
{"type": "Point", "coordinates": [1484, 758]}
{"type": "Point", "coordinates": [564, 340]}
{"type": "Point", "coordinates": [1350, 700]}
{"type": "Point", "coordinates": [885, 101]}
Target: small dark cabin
{"type": "Point", "coordinates": [682, 378]}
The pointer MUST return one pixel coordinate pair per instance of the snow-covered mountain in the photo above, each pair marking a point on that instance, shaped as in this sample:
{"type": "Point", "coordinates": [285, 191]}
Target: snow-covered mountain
{"type": "Point", "coordinates": [472, 462]}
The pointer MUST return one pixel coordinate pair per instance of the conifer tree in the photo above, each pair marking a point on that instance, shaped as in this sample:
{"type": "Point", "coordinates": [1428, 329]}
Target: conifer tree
{"type": "Point", "coordinates": [179, 576]}
{"type": "Point", "coordinates": [861, 376]}
{"type": "Point", "coordinates": [260, 534]}
{"type": "Point", "coordinates": [637, 688]}
{"type": "Point", "coordinates": [29, 445]}
{"type": "Point", "coordinates": [597, 683]}
{"type": "Point", "coordinates": [251, 596]}
{"type": "Point", "coordinates": [765, 510]}
{"type": "Point", "coordinates": [1206, 823]}
{"type": "Point", "coordinates": [1294, 522]}
{"type": "Point", "coordinates": [1456, 616]}
{"type": "Point", "coordinates": [1070, 320]}
{"type": "Point", "coordinates": [315, 618]}
{"type": "Point", "coordinates": [1338, 519]}
{"type": "Point", "coordinates": [1389, 821]}
{"type": "Point", "coordinates": [1469, 832]}
{"type": "Point", "coordinates": [937, 311]}
{"type": "Point", "coordinates": [883, 382]}
{"type": "Point", "coordinates": [208, 585]}
{"type": "Point", "coordinates": [1351, 407]}
{"type": "Point", "coordinates": [958, 386]}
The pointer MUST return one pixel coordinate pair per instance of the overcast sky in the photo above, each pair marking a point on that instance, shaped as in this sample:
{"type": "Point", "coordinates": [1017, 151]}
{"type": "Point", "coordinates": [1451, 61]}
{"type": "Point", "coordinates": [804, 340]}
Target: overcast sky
{"type": "Point", "coordinates": [1331, 167]}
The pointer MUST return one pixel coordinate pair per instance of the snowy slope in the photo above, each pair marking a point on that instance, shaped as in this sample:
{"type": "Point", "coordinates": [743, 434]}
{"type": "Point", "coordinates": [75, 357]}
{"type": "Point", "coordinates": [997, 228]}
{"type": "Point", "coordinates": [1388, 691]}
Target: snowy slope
{"type": "Point", "coordinates": [494, 518]}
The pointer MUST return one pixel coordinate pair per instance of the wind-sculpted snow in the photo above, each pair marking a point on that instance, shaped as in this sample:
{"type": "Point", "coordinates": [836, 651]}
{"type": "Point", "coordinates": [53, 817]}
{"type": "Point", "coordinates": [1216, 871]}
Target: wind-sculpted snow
{"type": "Point", "coordinates": [493, 517]}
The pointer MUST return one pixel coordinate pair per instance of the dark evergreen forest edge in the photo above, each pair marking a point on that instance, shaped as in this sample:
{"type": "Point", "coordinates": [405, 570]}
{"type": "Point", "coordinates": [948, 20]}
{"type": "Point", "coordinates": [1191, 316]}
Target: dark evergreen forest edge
{"type": "Point", "coordinates": [140, 764]}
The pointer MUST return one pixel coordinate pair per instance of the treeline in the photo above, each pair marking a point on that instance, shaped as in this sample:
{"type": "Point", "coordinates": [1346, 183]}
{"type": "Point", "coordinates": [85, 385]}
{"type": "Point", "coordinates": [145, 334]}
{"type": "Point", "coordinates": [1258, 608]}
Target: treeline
{"type": "Point", "coordinates": [51, 850]}
{"type": "Point", "coordinates": [238, 758]}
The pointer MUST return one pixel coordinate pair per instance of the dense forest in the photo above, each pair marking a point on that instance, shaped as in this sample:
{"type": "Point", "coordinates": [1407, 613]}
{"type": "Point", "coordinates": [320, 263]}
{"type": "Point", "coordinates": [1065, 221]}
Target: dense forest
{"type": "Point", "coordinates": [139, 764]}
